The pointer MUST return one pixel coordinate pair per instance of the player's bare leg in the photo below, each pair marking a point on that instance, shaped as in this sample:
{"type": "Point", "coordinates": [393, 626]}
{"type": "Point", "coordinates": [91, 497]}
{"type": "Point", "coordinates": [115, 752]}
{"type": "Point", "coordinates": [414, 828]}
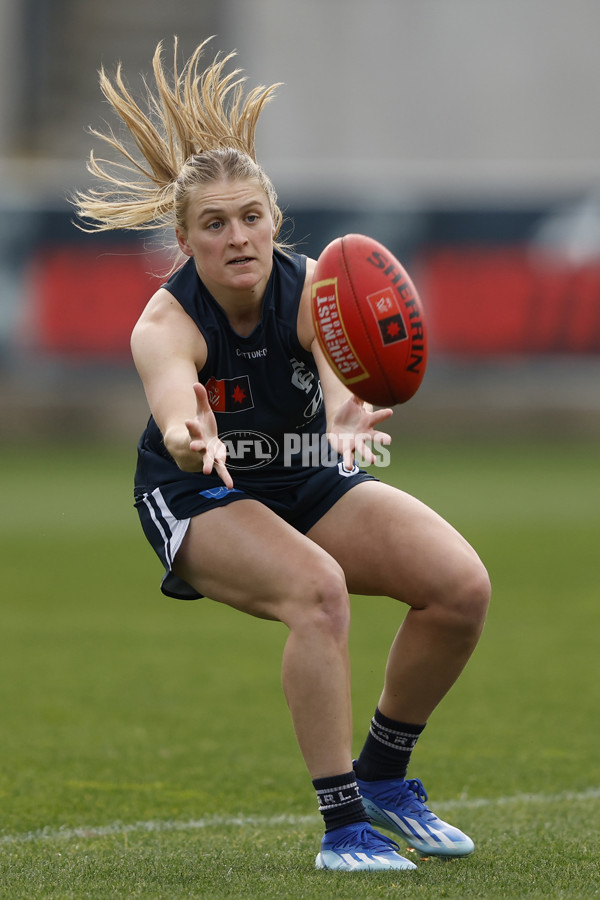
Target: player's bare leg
{"type": "Point", "coordinates": [390, 544]}
{"type": "Point", "coordinates": [260, 565]}
{"type": "Point", "coordinates": [408, 552]}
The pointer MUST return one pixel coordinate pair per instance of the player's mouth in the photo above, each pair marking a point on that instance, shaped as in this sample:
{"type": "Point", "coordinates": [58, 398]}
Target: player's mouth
{"type": "Point", "coordinates": [240, 261]}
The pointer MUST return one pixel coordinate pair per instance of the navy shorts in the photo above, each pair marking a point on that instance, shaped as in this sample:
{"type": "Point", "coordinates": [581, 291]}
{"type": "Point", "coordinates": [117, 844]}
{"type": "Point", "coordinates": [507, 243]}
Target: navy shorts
{"type": "Point", "coordinates": [301, 505]}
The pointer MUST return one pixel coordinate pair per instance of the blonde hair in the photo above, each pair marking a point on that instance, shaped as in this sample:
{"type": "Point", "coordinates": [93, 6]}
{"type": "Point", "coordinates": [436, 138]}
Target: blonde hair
{"type": "Point", "coordinates": [200, 129]}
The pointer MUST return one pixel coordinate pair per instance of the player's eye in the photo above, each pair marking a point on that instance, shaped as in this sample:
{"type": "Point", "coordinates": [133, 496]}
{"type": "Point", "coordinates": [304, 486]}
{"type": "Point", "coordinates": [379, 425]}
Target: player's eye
{"type": "Point", "coordinates": [214, 226]}
{"type": "Point", "coordinates": [252, 217]}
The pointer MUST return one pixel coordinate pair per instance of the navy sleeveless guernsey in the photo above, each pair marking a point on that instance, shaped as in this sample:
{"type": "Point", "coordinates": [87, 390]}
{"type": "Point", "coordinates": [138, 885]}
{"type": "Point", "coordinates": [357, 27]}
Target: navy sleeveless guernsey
{"type": "Point", "coordinates": [265, 392]}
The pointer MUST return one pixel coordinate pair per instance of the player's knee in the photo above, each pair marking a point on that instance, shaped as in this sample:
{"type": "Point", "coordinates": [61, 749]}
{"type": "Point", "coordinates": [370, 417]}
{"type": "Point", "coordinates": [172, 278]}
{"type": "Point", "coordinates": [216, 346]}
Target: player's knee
{"type": "Point", "coordinates": [478, 594]}
{"type": "Point", "coordinates": [322, 601]}
{"type": "Point", "coordinates": [466, 605]}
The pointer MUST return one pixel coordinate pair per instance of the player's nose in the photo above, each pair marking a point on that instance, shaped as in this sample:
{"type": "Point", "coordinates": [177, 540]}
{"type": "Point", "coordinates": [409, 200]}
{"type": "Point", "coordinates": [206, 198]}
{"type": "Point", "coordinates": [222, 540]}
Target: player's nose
{"type": "Point", "coordinates": [237, 235]}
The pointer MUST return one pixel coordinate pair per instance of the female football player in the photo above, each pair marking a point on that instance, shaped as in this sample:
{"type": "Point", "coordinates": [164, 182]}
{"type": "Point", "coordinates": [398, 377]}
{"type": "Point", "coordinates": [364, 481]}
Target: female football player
{"type": "Point", "coordinates": [227, 355]}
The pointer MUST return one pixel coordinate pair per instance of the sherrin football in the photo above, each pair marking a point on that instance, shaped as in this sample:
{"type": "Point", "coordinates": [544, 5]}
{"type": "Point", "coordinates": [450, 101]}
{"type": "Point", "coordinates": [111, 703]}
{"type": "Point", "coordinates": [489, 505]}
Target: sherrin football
{"type": "Point", "coordinates": [369, 320]}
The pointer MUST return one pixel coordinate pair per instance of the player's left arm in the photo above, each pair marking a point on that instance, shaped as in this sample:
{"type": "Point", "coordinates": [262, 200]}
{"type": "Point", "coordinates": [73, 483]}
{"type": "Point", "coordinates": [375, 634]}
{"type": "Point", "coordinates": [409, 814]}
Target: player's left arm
{"type": "Point", "coordinates": [351, 423]}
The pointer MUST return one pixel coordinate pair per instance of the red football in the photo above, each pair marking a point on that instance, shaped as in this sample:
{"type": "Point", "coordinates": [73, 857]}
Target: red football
{"type": "Point", "coordinates": [369, 320]}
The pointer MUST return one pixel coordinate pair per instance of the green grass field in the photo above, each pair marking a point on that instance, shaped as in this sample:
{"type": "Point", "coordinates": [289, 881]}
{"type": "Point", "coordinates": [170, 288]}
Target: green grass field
{"type": "Point", "coordinates": [146, 746]}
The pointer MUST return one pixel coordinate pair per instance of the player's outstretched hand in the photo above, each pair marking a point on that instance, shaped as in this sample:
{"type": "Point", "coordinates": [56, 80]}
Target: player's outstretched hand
{"type": "Point", "coordinates": [204, 438]}
{"type": "Point", "coordinates": [353, 430]}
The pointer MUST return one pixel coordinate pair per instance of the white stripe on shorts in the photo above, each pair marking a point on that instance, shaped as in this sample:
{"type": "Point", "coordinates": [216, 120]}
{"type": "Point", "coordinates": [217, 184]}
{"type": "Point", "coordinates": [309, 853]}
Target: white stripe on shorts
{"type": "Point", "coordinates": [178, 527]}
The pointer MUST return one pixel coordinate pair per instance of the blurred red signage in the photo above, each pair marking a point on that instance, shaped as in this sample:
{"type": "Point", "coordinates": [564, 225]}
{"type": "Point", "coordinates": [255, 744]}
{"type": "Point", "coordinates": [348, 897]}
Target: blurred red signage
{"type": "Point", "coordinates": [86, 302]}
{"type": "Point", "coordinates": [482, 301]}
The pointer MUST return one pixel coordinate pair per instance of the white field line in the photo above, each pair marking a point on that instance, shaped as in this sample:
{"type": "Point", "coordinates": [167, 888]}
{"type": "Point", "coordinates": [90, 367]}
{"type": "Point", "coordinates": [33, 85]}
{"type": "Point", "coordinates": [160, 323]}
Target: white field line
{"type": "Point", "coordinates": [158, 826]}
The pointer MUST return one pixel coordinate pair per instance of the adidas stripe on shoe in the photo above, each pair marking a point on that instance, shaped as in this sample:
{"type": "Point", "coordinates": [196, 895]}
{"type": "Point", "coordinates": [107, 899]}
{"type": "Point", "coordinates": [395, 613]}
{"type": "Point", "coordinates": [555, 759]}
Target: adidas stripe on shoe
{"type": "Point", "coordinates": [359, 848]}
{"type": "Point", "coordinates": [399, 806]}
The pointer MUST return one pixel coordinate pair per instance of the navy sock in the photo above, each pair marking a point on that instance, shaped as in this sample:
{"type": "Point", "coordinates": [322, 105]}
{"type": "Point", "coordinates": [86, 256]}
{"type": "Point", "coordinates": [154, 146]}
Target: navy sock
{"type": "Point", "coordinates": [339, 799]}
{"type": "Point", "coordinates": [387, 750]}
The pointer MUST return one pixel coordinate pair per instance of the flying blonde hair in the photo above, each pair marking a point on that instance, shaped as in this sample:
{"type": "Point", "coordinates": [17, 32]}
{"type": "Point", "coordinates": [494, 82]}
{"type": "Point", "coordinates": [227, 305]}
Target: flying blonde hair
{"type": "Point", "coordinates": [199, 129]}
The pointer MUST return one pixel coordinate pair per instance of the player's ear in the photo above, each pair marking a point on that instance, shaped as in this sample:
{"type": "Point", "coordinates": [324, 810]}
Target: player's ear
{"type": "Point", "coordinates": [183, 244]}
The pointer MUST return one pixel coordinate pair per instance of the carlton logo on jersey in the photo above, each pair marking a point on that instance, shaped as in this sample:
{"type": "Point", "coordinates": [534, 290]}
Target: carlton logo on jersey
{"type": "Point", "coordinates": [305, 380]}
{"type": "Point", "coordinates": [302, 377]}
{"type": "Point", "coordinates": [229, 395]}
{"type": "Point", "coordinates": [249, 449]}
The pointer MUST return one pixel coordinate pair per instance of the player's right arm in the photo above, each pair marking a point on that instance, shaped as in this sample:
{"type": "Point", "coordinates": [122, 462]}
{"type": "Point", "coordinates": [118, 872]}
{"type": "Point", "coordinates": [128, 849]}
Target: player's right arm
{"type": "Point", "coordinates": [169, 351]}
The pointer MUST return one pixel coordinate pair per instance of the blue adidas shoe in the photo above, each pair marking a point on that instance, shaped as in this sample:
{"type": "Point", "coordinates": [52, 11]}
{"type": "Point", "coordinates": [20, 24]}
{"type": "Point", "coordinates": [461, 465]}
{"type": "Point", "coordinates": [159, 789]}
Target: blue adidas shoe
{"type": "Point", "coordinates": [359, 848]}
{"type": "Point", "coordinates": [399, 806]}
